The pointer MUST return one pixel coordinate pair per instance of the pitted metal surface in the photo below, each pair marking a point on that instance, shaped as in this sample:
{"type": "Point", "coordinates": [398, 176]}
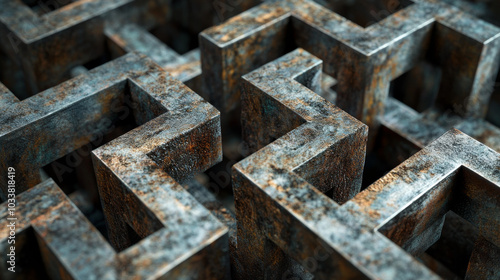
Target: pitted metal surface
{"type": "Point", "coordinates": [46, 47]}
{"type": "Point", "coordinates": [364, 60]}
{"type": "Point", "coordinates": [355, 139]}
{"type": "Point", "coordinates": [131, 181]}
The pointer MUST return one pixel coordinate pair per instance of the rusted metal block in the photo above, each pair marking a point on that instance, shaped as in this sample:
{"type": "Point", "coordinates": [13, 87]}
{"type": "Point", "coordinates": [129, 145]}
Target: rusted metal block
{"type": "Point", "coordinates": [282, 213]}
{"type": "Point", "coordinates": [44, 40]}
{"type": "Point", "coordinates": [71, 248]}
{"type": "Point", "coordinates": [278, 98]}
{"type": "Point", "coordinates": [47, 46]}
{"type": "Point", "coordinates": [183, 138]}
{"type": "Point", "coordinates": [179, 134]}
{"type": "Point", "coordinates": [49, 125]}
{"type": "Point", "coordinates": [322, 145]}
{"type": "Point", "coordinates": [162, 224]}
{"type": "Point", "coordinates": [363, 60]}
{"type": "Point", "coordinates": [407, 206]}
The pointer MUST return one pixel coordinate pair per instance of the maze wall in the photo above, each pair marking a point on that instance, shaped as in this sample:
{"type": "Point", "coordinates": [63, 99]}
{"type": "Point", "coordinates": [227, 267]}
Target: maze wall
{"type": "Point", "coordinates": [280, 139]}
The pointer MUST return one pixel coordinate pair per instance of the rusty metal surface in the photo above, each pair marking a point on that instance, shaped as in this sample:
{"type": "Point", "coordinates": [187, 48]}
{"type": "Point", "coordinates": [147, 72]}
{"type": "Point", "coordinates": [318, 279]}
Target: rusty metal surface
{"type": "Point", "coordinates": [363, 60]}
{"type": "Point", "coordinates": [405, 131]}
{"type": "Point", "coordinates": [46, 47]}
{"type": "Point", "coordinates": [344, 147]}
{"type": "Point", "coordinates": [131, 37]}
{"type": "Point", "coordinates": [71, 248]}
{"type": "Point", "coordinates": [173, 118]}
{"type": "Point", "coordinates": [275, 102]}
{"type": "Point", "coordinates": [407, 206]}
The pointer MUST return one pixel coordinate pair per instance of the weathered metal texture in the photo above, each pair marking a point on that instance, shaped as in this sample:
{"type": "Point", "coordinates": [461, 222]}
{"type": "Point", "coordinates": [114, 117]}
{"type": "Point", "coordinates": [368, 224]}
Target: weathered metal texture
{"type": "Point", "coordinates": [127, 37]}
{"type": "Point", "coordinates": [373, 234]}
{"type": "Point", "coordinates": [49, 125]}
{"type": "Point", "coordinates": [46, 47]}
{"type": "Point", "coordinates": [363, 60]}
{"type": "Point", "coordinates": [6, 98]}
{"type": "Point", "coordinates": [322, 145]}
{"type": "Point", "coordinates": [184, 138]}
{"type": "Point", "coordinates": [179, 134]}
{"type": "Point", "coordinates": [278, 98]}
{"type": "Point", "coordinates": [405, 131]}
{"type": "Point", "coordinates": [71, 248]}
{"type": "Point", "coordinates": [486, 9]}
{"type": "Point", "coordinates": [131, 37]}
{"type": "Point", "coordinates": [485, 261]}
{"type": "Point", "coordinates": [280, 214]}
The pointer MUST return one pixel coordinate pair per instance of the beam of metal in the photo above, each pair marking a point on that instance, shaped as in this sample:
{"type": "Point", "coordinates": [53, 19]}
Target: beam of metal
{"type": "Point", "coordinates": [418, 76]}
{"type": "Point", "coordinates": [71, 247]}
{"type": "Point", "coordinates": [322, 145]}
{"type": "Point", "coordinates": [405, 131]}
{"type": "Point", "coordinates": [81, 110]}
{"type": "Point", "coordinates": [131, 37]}
{"type": "Point", "coordinates": [48, 46]}
{"type": "Point", "coordinates": [137, 172]}
{"type": "Point", "coordinates": [281, 212]}
{"type": "Point", "coordinates": [363, 60]}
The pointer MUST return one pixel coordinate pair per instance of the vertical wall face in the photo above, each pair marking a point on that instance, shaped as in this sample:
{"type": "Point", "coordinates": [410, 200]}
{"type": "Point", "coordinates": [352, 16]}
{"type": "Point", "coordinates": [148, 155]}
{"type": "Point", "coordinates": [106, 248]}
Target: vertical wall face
{"type": "Point", "coordinates": [288, 139]}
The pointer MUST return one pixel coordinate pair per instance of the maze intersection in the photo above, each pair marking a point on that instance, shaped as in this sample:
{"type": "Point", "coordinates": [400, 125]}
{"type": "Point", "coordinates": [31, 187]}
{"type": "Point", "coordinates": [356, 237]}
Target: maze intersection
{"type": "Point", "coordinates": [303, 205]}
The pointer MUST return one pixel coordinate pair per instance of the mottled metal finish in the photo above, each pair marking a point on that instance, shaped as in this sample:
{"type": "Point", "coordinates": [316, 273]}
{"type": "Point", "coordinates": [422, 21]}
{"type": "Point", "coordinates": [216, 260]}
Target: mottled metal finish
{"type": "Point", "coordinates": [71, 248]}
{"type": "Point", "coordinates": [179, 134]}
{"type": "Point", "coordinates": [485, 261]}
{"type": "Point", "coordinates": [131, 37]}
{"type": "Point", "coordinates": [46, 47]}
{"type": "Point", "coordinates": [405, 131]}
{"type": "Point", "coordinates": [322, 145]}
{"type": "Point", "coordinates": [128, 37]}
{"type": "Point", "coordinates": [411, 73]}
{"type": "Point", "coordinates": [6, 98]}
{"type": "Point", "coordinates": [287, 215]}
{"type": "Point", "coordinates": [278, 98]}
{"type": "Point", "coordinates": [183, 138]}
{"type": "Point", "coordinates": [49, 125]}
{"type": "Point", "coordinates": [363, 60]}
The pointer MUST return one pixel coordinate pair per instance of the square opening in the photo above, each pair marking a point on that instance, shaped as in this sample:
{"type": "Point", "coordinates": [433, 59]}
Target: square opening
{"type": "Point", "coordinates": [439, 228]}
{"type": "Point", "coordinates": [449, 256]}
{"type": "Point", "coordinates": [176, 37]}
{"type": "Point", "coordinates": [328, 88]}
{"type": "Point", "coordinates": [417, 88]}
{"type": "Point", "coordinates": [365, 13]}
